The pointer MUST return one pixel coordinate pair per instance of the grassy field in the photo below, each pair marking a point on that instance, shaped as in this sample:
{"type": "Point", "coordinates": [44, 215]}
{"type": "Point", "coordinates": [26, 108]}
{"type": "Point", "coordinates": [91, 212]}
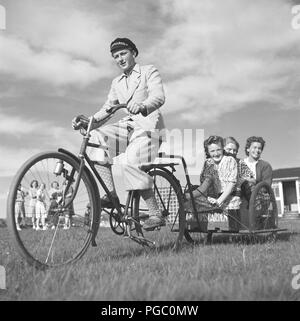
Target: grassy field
{"type": "Point", "coordinates": [119, 269]}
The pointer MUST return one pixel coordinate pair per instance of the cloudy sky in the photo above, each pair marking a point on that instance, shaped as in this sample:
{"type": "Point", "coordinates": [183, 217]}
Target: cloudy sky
{"type": "Point", "coordinates": [229, 68]}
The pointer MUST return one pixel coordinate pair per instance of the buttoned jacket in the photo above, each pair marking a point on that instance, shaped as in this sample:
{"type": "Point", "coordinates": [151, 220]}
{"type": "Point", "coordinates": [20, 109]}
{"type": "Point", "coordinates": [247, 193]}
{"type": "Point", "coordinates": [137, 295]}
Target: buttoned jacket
{"type": "Point", "coordinates": [143, 86]}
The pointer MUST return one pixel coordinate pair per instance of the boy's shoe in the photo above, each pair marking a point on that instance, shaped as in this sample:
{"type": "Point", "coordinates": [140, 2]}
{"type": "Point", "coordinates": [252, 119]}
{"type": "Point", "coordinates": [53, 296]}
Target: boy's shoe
{"type": "Point", "coordinates": [107, 203]}
{"type": "Point", "coordinates": [153, 222]}
{"type": "Point", "coordinates": [66, 227]}
{"type": "Point", "coordinates": [38, 228]}
{"type": "Point", "coordinates": [45, 228]}
{"type": "Point", "coordinates": [19, 228]}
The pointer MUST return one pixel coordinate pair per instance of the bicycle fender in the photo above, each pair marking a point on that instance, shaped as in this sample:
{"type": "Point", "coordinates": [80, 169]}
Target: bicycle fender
{"type": "Point", "coordinates": [167, 171]}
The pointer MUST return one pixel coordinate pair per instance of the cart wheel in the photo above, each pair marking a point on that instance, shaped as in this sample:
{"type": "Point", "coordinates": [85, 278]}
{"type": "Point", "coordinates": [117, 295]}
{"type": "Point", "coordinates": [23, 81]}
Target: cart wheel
{"type": "Point", "coordinates": [263, 208]}
{"type": "Point", "coordinates": [209, 238]}
{"type": "Point", "coordinates": [273, 237]}
{"type": "Point", "coordinates": [51, 240]}
{"type": "Point", "coordinates": [168, 194]}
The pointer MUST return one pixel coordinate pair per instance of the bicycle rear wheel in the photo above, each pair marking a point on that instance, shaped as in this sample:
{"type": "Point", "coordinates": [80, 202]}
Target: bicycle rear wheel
{"type": "Point", "coordinates": [56, 235]}
{"type": "Point", "coordinates": [168, 194]}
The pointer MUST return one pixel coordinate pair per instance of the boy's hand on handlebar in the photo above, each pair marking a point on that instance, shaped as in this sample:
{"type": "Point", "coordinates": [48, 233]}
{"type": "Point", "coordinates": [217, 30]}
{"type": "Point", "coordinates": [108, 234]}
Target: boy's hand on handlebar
{"type": "Point", "coordinates": [135, 108]}
{"type": "Point", "coordinates": [80, 121]}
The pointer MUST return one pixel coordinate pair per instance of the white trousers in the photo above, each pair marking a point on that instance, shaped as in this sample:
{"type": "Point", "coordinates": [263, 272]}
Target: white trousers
{"type": "Point", "coordinates": [133, 146]}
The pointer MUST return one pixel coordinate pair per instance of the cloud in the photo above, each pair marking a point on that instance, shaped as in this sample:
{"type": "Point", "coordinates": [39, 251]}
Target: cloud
{"type": "Point", "coordinates": [57, 68]}
{"type": "Point", "coordinates": [60, 44]}
{"type": "Point", "coordinates": [23, 138]}
{"type": "Point", "coordinates": [13, 158]}
{"type": "Point", "coordinates": [17, 125]}
{"type": "Point", "coordinates": [3, 196]}
{"type": "Point", "coordinates": [218, 57]}
{"type": "Point", "coordinates": [67, 27]}
{"type": "Point", "coordinates": [23, 127]}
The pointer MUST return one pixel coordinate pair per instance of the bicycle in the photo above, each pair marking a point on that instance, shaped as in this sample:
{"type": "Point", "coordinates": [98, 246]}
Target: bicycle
{"type": "Point", "coordinates": [56, 246]}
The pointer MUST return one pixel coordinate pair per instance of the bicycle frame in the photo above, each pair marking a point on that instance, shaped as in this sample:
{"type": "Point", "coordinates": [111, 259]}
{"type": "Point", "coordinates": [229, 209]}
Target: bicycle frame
{"type": "Point", "coordinates": [187, 177]}
{"type": "Point", "coordinates": [81, 158]}
{"type": "Point", "coordinates": [84, 162]}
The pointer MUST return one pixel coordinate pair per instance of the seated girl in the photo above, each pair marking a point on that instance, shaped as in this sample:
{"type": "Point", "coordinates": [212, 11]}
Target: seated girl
{"type": "Point", "coordinates": [260, 169]}
{"type": "Point", "coordinates": [245, 175]}
{"type": "Point", "coordinates": [218, 180]}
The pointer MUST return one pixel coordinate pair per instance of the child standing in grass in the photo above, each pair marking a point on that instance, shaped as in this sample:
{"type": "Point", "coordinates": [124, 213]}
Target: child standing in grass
{"type": "Point", "coordinates": [32, 203]}
{"type": "Point", "coordinates": [41, 207]}
{"type": "Point", "coordinates": [55, 195]}
{"type": "Point", "coordinates": [70, 210]}
{"type": "Point", "coordinates": [20, 207]}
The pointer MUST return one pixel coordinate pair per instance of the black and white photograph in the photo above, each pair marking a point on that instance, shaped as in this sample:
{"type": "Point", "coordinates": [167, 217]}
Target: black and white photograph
{"type": "Point", "coordinates": [149, 153]}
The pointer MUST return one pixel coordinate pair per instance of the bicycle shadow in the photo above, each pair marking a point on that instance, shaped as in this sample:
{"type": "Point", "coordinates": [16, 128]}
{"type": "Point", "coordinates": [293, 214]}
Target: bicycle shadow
{"type": "Point", "coordinates": [246, 239]}
{"type": "Point", "coordinates": [217, 238]}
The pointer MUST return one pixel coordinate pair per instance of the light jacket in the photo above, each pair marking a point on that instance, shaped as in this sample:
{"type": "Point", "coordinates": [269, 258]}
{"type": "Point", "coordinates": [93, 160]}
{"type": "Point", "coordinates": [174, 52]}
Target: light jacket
{"type": "Point", "coordinates": [145, 87]}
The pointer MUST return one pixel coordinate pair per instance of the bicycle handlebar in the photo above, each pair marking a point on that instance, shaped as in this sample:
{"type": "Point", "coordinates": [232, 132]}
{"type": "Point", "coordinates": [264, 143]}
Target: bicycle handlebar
{"type": "Point", "coordinates": [83, 122]}
{"type": "Point", "coordinates": [115, 108]}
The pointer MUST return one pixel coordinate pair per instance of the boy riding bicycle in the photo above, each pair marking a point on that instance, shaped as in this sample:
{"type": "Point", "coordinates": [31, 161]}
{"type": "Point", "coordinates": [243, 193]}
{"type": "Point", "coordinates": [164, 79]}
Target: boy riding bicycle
{"type": "Point", "coordinates": [136, 136]}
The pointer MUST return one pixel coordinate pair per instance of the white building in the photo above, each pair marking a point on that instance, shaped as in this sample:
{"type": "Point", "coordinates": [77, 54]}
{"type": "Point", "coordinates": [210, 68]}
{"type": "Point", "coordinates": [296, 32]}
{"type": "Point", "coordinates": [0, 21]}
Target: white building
{"type": "Point", "coordinates": [286, 186]}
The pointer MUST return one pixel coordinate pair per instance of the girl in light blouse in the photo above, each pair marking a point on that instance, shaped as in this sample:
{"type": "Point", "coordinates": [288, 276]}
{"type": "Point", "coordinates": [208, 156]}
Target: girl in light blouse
{"type": "Point", "coordinates": [32, 202]}
{"type": "Point", "coordinates": [40, 207]}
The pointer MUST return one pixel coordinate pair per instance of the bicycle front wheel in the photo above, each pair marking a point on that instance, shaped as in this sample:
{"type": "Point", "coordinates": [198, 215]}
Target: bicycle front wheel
{"type": "Point", "coordinates": [45, 231]}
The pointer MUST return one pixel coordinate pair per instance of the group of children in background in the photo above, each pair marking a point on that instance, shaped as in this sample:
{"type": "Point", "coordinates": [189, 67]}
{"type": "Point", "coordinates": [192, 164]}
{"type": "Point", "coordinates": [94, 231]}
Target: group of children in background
{"type": "Point", "coordinates": [43, 214]}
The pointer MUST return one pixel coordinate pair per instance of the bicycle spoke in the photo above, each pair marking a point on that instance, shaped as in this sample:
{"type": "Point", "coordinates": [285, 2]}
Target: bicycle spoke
{"type": "Point", "coordinates": [53, 234]}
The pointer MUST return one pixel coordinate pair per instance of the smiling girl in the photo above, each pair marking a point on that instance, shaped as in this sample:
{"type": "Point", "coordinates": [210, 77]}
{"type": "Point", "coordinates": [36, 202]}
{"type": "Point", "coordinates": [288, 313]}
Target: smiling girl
{"type": "Point", "coordinates": [218, 180]}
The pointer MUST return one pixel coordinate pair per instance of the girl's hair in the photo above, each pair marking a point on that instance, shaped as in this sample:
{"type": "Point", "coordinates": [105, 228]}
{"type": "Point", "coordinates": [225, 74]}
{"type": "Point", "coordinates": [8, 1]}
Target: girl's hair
{"type": "Point", "coordinates": [34, 181]}
{"type": "Point", "coordinates": [254, 139]}
{"type": "Point", "coordinates": [231, 139]}
{"type": "Point", "coordinates": [54, 182]}
{"type": "Point", "coordinates": [218, 140]}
